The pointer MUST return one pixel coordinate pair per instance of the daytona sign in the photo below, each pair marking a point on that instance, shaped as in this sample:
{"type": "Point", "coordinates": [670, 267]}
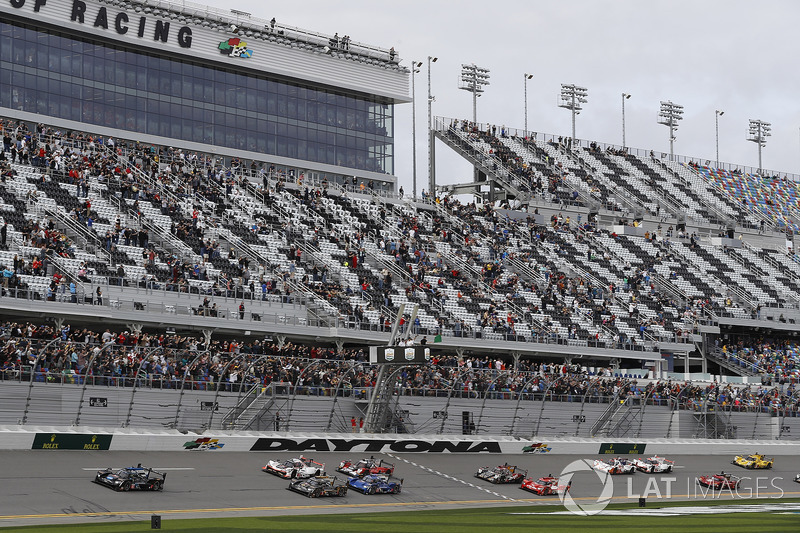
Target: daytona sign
{"type": "Point", "coordinates": [374, 445]}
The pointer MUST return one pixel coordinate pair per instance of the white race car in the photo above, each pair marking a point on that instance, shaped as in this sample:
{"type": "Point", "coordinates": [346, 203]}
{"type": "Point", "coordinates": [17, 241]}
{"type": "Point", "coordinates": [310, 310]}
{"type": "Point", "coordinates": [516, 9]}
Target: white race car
{"type": "Point", "coordinates": [615, 466]}
{"type": "Point", "coordinates": [295, 468]}
{"type": "Point", "coordinates": [653, 465]}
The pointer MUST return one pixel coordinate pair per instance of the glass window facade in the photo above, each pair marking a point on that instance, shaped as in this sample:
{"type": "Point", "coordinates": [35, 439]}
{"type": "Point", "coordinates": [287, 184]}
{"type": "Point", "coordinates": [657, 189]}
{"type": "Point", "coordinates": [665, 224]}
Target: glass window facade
{"type": "Point", "coordinates": [97, 83]}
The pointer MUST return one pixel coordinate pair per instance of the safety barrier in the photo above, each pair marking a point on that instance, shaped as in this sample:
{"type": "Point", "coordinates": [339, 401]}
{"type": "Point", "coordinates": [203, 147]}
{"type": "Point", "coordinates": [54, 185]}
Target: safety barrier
{"type": "Point", "coordinates": [99, 439]}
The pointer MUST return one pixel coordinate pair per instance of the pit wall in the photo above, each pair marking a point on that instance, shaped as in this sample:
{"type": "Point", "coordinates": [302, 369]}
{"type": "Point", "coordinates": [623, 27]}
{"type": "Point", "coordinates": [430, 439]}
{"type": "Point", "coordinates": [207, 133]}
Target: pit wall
{"type": "Point", "coordinates": [98, 439]}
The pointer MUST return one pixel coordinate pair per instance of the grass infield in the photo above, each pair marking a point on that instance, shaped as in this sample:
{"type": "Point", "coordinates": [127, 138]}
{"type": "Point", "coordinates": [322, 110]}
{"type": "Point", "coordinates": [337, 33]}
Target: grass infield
{"type": "Point", "coordinates": [460, 521]}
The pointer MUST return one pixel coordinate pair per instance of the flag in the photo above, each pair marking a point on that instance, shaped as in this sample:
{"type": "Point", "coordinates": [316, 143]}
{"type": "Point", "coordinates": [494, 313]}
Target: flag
{"type": "Point", "coordinates": [437, 338]}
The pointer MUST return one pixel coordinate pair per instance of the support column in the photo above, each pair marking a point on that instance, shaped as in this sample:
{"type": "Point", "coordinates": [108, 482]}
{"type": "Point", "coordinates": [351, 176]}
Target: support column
{"type": "Point", "coordinates": [59, 322]}
{"type": "Point", "coordinates": [614, 364]}
{"type": "Point", "coordinates": [686, 366]}
{"type": "Point", "coordinates": [281, 341]}
{"type": "Point", "coordinates": [135, 328]}
{"type": "Point", "coordinates": [339, 346]}
{"type": "Point", "coordinates": [515, 356]}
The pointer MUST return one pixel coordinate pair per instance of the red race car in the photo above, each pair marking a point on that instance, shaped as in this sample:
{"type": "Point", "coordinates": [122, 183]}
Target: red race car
{"type": "Point", "coordinates": [545, 486]}
{"type": "Point", "coordinates": [720, 481]}
{"type": "Point", "coordinates": [365, 466]}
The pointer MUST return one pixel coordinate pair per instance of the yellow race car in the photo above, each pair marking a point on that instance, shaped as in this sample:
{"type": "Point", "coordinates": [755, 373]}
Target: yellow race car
{"type": "Point", "coordinates": [752, 461]}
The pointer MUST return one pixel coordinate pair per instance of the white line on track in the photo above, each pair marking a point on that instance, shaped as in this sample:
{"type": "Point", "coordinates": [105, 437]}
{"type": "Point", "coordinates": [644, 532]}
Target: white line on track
{"type": "Point", "coordinates": [432, 471]}
{"type": "Point", "coordinates": [154, 468]}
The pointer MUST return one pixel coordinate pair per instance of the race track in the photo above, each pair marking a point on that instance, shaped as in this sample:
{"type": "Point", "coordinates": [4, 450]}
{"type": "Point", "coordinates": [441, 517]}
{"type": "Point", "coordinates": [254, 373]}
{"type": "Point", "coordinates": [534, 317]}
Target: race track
{"type": "Point", "coordinates": [42, 487]}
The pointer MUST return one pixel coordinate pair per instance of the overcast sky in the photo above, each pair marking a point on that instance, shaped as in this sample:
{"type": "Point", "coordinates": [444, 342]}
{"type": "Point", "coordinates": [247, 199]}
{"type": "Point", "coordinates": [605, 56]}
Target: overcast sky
{"type": "Point", "coordinates": [731, 55]}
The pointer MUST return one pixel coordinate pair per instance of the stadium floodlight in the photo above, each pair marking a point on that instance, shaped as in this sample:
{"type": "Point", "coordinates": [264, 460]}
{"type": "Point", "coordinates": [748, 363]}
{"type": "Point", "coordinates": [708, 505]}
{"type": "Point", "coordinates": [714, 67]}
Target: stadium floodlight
{"type": "Point", "coordinates": [415, 68]}
{"type": "Point", "coordinates": [572, 97]}
{"type": "Point", "coordinates": [625, 96]}
{"type": "Point", "coordinates": [431, 164]}
{"type": "Point", "coordinates": [758, 133]}
{"type": "Point", "coordinates": [527, 77]}
{"type": "Point", "coordinates": [669, 115]}
{"type": "Point", "coordinates": [473, 79]}
{"type": "Point", "coordinates": [717, 114]}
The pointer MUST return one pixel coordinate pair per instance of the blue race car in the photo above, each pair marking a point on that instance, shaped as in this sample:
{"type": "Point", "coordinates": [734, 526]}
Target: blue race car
{"type": "Point", "coordinates": [375, 484]}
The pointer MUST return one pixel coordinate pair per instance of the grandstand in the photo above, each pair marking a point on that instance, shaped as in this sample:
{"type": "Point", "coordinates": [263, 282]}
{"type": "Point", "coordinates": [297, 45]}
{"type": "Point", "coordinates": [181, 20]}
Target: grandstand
{"type": "Point", "coordinates": [242, 276]}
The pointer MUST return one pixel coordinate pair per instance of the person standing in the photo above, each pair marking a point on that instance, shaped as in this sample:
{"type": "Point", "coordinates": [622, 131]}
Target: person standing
{"type": "Point", "coordinates": [241, 310]}
{"type": "Point", "coordinates": [4, 234]}
{"type": "Point", "coordinates": [353, 423]}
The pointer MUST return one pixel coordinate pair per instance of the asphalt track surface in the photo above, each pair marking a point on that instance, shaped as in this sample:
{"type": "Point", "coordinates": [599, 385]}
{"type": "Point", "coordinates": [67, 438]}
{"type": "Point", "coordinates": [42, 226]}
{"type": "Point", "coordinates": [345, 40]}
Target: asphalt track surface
{"type": "Point", "coordinates": [46, 487]}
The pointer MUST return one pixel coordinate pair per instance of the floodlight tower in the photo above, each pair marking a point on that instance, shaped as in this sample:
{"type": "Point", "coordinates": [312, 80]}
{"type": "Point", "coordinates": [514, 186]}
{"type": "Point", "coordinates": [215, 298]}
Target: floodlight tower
{"type": "Point", "coordinates": [415, 66]}
{"type": "Point", "coordinates": [625, 96]}
{"type": "Point", "coordinates": [572, 97]}
{"type": "Point", "coordinates": [473, 79]}
{"type": "Point", "coordinates": [717, 114]}
{"type": "Point", "coordinates": [527, 77]}
{"type": "Point", "coordinates": [669, 115]}
{"type": "Point", "coordinates": [758, 133]}
{"type": "Point", "coordinates": [431, 153]}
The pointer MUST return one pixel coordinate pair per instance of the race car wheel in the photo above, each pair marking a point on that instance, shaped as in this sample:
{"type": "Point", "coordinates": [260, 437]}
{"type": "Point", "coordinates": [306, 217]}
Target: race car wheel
{"type": "Point", "coordinates": [372, 490]}
{"type": "Point", "coordinates": [397, 489]}
{"type": "Point", "coordinates": [157, 485]}
{"type": "Point", "coordinates": [317, 493]}
{"type": "Point", "coordinates": [125, 487]}
{"type": "Point", "coordinates": [319, 473]}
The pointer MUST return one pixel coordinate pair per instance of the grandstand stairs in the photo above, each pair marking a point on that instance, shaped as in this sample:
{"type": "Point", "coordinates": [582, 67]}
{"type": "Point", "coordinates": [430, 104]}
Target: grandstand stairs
{"type": "Point", "coordinates": [255, 410]}
{"type": "Point", "coordinates": [510, 186]}
{"type": "Point", "coordinates": [618, 419]}
{"type": "Point", "coordinates": [731, 366]}
{"type": "Point", "coordinates": [713, 425]}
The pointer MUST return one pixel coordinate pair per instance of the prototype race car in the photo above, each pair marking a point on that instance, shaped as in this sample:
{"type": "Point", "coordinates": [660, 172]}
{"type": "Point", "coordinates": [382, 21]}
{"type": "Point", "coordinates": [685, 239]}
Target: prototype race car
{"type": "Point", "coordinates": [131, 478]}
{"type": "Point", "coordinates": [755, 461]}
{"type": "Point", "coordinates": [364, 467]}
{"type": "Point", "coordinates": [376, 484]}
{"type": "Point", "coordinates": [502, 474]}
{"type": "Point", "coordinates": [653, 465]}
{"type": "Point", "coordinates": [317, 486]}
{"type": "Point", "coordinates": [545, 486]}
{"type": "Point", "coordinates": [719, 481]}
{"type": "Point", "coordinates": [295, 468]}
{"type": "Point", "coordinates": [616, 466]}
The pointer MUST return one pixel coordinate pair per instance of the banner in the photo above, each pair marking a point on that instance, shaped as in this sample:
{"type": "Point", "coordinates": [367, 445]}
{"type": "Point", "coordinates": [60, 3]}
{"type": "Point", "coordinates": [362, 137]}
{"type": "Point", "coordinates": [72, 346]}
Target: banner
{"type": "Point", "coordinates": [400, 355]}
{"type": "Point", "coordinates": [71, 441]}
{"type": "Point", "coordinates": [622, 449]}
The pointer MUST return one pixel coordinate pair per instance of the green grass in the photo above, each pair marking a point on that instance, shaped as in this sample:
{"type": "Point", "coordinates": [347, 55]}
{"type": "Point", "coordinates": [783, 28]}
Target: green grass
{"type": "Point", "coordinates": [458, 520]}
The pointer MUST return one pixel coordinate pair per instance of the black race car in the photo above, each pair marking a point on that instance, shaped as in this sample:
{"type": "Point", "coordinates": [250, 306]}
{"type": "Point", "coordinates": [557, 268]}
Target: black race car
{"type": "Point", "coordinates": [131, 478]}
{"type": "Point", "coordinates": [317, 486]}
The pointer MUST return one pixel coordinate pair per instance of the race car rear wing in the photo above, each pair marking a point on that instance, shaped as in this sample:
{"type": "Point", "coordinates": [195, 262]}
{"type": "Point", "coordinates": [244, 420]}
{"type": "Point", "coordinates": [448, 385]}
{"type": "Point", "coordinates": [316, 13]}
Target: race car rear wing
{"type": "Point", "coordinates": [150, 472]}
